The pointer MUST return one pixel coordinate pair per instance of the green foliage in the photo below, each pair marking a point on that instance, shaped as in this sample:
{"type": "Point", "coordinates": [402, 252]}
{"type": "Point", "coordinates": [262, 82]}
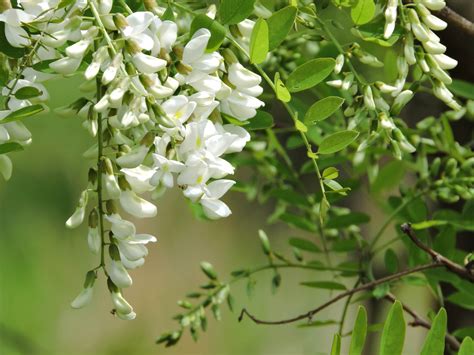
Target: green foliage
{"type": "Point", "coordinates": [359, 332]}
{"type": "Point", "coordinates": [259, 42]}
{"type": "Point", "coordinates": [218, 31]}
{"type": "Point", "coordinates": [232, 12]}
{"type": "Point", "coordinates": [310, 74]}
{"type": "Point", "coordinates": [280, 24]}
{"type": "Point", "coordinates": [393, 335]}
{"type": "Point", "coordinates": [434, 343]}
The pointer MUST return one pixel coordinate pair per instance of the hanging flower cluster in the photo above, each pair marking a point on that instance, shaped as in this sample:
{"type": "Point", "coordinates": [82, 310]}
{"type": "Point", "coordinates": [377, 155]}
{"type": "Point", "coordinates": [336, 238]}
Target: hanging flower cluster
{"type": "Point", "coordinates": [157, 113]}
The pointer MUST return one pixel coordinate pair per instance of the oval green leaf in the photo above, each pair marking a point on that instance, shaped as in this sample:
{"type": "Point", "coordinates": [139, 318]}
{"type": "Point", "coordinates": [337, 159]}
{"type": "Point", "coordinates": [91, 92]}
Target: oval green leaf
{"type": "Point", "coordinates": [391, 261]}
{"type": "Point", "coordinates": [327, 285]}
{"type": "Point", "coordinates": [304, 244]}
{"type": "Point", "coordinates": [336, 345]}
{"type": "Point", "coordinates": [393, 335]}
{"type": "Point", "coordinates": [322, 109]}
{"type": "Point", "coordinates": [359, 332]}
{"type": "Point", "coordinates": [281, 91]}
{"type": "Point", "coordinates": [10, 147]}
{"type": "Point", "coordinates": [434, 342]}
{"type": "Point", "coordinates": [27, 92]}
{"type": "Point", "coordinates": [337, 141]}
{"type": "Point", "coordinates": [467, 347]}
{"type": "Point", "coordinates": [22, 113]}
{"type": "Point", "coordinates": [259, 42]}
{"type": "Point", "coordinates": [217, 31]}
{"type": "Point", "coordinates": [363, 12]}
{"type": "Point", "coordinates": [233, 11]}
{"type": "Point", "coordinates": [279, 25]}
{"type": "Point", "coordinates": [310, 74]}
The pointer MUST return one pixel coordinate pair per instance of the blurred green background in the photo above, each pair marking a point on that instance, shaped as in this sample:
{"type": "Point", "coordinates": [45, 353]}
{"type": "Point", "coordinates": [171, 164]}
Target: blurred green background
{"type": "Point", "coordinates": [43, 265]}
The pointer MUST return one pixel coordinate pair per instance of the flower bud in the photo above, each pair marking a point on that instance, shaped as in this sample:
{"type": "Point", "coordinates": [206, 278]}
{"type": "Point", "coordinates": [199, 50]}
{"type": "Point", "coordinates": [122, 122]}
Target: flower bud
{"type": "Point", "coordinates": [137, 206]}
{"type": "Point", "coordinates": [434, 5]}
{"type": "Point", "coordinates": [120, 21]}
{"type": "Point", "coordinates": [400, 101]}
{"type": "Point", "coordinates": [368, 98]}
{"type": "Point", "coordinates": [445, 62]}
{"type": "Point", "coordinates": [66, 65]}
{"type": "Point", "coordinates": [409, 49]}
{"type": "Point", "coordinates": [85, 297]}
{"type": "Point", "coordinates": [117, 272]}
{"type": "Point", "coordinates": [78, 216]}
{"type": "Point", "coordinates": [339, 63]}
{"type": "Point", "coordinates": [147, 64]}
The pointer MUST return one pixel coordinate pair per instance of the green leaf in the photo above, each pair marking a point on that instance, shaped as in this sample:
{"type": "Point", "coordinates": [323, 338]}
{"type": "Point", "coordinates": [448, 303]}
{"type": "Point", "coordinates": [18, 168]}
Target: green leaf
{"type": "Point", "coordinates": [346, 220]}
{"type": "Point", "coordinates": [462, 88]}
{"type": "Point", "coordinates": [300, 126]}
{"type": "Point", "coordinates": [359, 332]}
{"type": "Point", "coordinates": [363, 12]}
{"type": "Point", "coordinates": [434, 342]}
{"type": "Point", "coordinates": [259, 42]}
{"type": "Point", "coordinates": [330, 173]}
{"type": "Point", "coordinates": [467, 347]}
{"type": "Point", "coordinates": [389, 176]}
{"type": "Point", "coordinates": [298, 222]}
{"type": "Point", "coordinates": [304, 244]}
{"type": "Point", "coordinates": [208, 269]}
{"type": "Point", "coordinates": [337, 141]}
{"type": "Point", "coordinates": [218, 31]}
{"type": "Point", "coordinates": [393, 335]}
{"type": "Point", "coordinates": [279, 25]}
{"type": "Point", "coordinates": [391, 261]}
{"type": "Point", "coordinates": [336, 345]}
{"type": "Point", "coordinates": [281, 91]}
{"type": "Point", "coordinates": [27, 92]}
{"type": "Point", "coordinates": [23, 112]}
{"type": "Point", "coordinates": [290, 196]}
{"type": "Point", "coordinates": [310, 74]}
{"type": "Point", "coordinates": [463, 299]}
{"type": "Point", "coordinates": [322, 109]}
{"type": "Point", "coordinates": [373, 32]}
{"type": "Point", "coordinates": [233, 11]}
{"type": "Point", "coordinates": [318, 323]}
{"type": "Point", "coordinates": [428, 224]}
{"type": "Point", "coordinates": [327, 285]}
{"type": "Point", "coordinates": [262, 120]}
{"type": "Point", "coordinates": [10, 147]}
{"type": "Point", "coordinates": [464, 332]}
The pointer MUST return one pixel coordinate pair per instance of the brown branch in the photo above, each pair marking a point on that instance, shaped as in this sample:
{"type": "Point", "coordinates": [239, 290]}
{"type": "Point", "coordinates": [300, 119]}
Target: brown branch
{"type": "Point", "coordinates": [309, 315]}
{"type": "Point", "coordinates": [437, 257]}
{"type": "Point", "coordinates": [418, 321]}
{"type": "Point", "coordinates": [455, 19]}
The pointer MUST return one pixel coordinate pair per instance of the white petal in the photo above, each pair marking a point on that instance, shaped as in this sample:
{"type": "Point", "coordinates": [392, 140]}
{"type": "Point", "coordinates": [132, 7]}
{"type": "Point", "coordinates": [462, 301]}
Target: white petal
{"type": "Point", "coordinates": [218, 188]}
{"type": "Point", "coordinates": [147, 64]}
{"type": "Point", "coordinates": [119, 275]}
{"type": "Point", "coordinates": [93, 240]}
{"type": "Point", "coordinates": [215, 209]}
{"type": "Point", "coordinates": [137, 206]}
{"type": "Point", "coordinates": [83, 299]}
{"type": "Point", "coordinates": [66, 65]}
{"type": "Point", "coordinates": [120, 304]}
{"type": "Point", "coordinates": [120, 227]}
{"type": "Point", "coordinates": [77, 218]}
{"type": "Point", "coordinates": [6, 167]}
{"type": "Point", "coordinates": [196, 46]}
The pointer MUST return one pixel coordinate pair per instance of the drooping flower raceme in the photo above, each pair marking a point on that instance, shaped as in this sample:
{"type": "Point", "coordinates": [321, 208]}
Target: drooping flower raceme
{"type": "Point", "coordinates": [158, 114]}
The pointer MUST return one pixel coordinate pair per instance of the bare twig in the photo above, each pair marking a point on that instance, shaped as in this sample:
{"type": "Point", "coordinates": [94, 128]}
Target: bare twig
{"type": "Point", "coordinates": [419, 321]}
{"type": "Point", "coordinates": [437, 257]}
{"type": "Point", "coordinates": [455, 19]}
{"type": "Point", "coordinates": [309, 315]}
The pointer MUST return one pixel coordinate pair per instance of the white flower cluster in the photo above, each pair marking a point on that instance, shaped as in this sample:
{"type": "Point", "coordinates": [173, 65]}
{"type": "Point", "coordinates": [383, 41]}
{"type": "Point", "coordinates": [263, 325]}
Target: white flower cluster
{"type": "Point", "coordinates": [42, 17]}
{"type": "Point", "coordinates": [430, 55]}
{"type": "Point", "coordinates": [157, 112]}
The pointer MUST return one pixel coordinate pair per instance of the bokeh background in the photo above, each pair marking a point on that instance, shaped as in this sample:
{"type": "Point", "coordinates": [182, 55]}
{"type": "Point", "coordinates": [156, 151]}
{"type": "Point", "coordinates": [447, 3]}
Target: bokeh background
{"type": "Point", "coordinates": [42, 264]}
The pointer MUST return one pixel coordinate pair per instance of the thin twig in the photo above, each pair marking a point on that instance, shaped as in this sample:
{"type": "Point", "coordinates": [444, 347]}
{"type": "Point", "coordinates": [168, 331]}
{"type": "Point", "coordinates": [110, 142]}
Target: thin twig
{"type": "Point", "coordinates": [437, 257]}
{"type": "Point", "coordinates": [309, 315]}
{"type": "Point", "coordinates": [455, 19]}
{"type": "Point", "coordinates": [419, 321]}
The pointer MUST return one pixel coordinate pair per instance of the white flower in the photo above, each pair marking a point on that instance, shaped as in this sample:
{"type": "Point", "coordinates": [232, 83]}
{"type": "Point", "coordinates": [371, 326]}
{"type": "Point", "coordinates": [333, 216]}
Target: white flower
{"type": "Point", "coordinates": [178, 109]}
{"type": "Point", "coordinates": [147, 64]}
{"type": "Point", "coordinates": [137, 206]}
{"type": "Point", "coordinates": [133, 158]}
{"type": "Point", "coordinates": [111, 186]}
{"type": "Point", "coordinates": [136, 29]}
{"type": "Point", "coordinates": [78, 216]}
{"type": "Point", "coordinates": [15, 34]}
{"type": "Point", "coordinates": [118, 274]}
{"type": "Point", "coordinates": [83, 299]}
{"type": "Point", "coordinates": [195, 56]}
{"type": "Point", "coordinates": [164, 170]}
{"type": "Point", "coordinates": [139, 178]}
{"type": "Point", "coordinates": [66, 65]}
{"type": "Point", "coordinates": [120, 304]}
{"type": "Point", "coordinates": [120, 227]}
{"type": "Point", "coordinates": [210, 195]}
{"type": "Point", "coordinates": [240, 105]}
{"type": "Point", "coordinates": [93, 240]}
